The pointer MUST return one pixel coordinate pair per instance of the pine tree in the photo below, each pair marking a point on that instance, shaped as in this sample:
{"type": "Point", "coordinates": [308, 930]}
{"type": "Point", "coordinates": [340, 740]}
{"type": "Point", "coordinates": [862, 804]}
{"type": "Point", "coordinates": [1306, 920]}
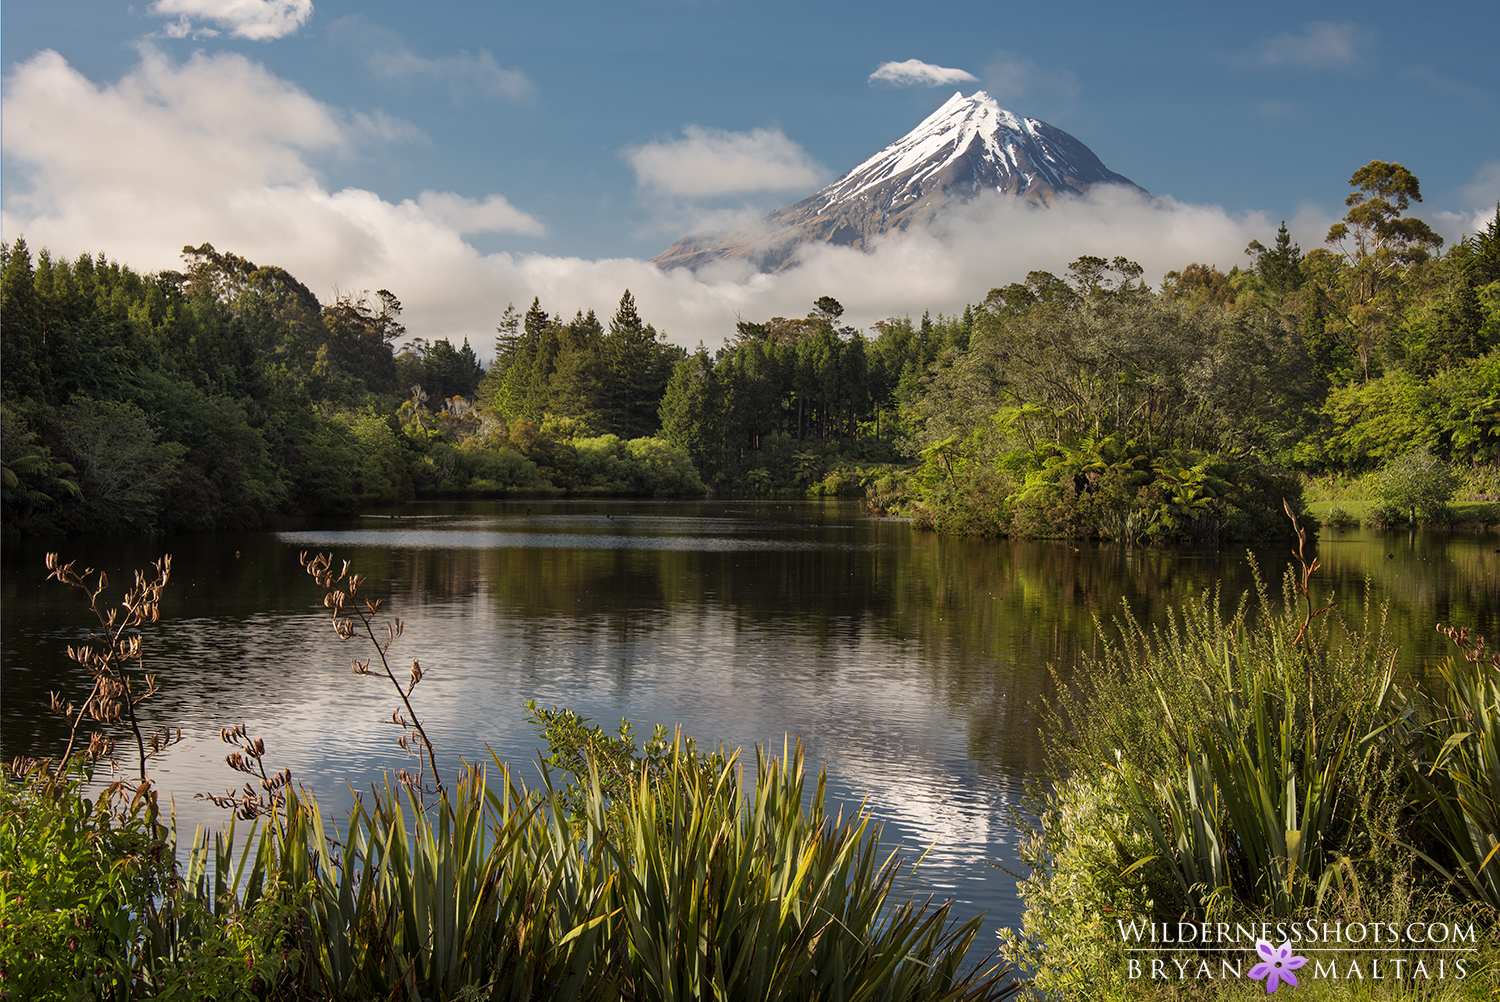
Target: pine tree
{"type": "Point", "coordinates": [507, 341]}
{"type": "Point", "coordinates": [1459, 320]}
{"type": "Point", "coordinates": [543, 367]}
{"type": "Point", "coordinates": [513, 397]}
{"type": "Point", "coordinates": [21, 344]}
{"type": "Point", "coordinates": [1281, 267]}
{"type": "Point", "coordinates": [637, 368]}
{"type": "Point", "coordinates": [575, 390]}
{"type": "Point", "coordinates": [690, 409]}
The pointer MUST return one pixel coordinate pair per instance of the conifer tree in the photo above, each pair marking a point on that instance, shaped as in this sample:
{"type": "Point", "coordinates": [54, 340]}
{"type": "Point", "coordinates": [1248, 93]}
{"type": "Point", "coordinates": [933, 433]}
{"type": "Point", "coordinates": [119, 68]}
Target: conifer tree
{"type": "Point", "coordinates": [575, 390]}
{"type": "Point", "coordinates": [513, 398]}
{"type": "Point", "coordinates": [21, 344]}
{"type": "Point", "coordinates": [637, 368]}
{"type": "Point", "coordinates": [1281, 267]}
{"type": "Point", "coordinates": [690, 411]}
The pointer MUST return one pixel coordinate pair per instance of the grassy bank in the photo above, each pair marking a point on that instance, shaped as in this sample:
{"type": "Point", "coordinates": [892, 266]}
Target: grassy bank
{"type": "Point", "coordinates": [1343, 501]}
{"type": "Point", "coordinates": [1260, 763]}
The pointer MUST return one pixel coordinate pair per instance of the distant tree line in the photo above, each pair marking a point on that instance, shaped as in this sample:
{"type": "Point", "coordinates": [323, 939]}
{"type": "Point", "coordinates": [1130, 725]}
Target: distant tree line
{"type": "Point", "coordinates": [1093, 405]}
{"type": "Point", "coordinates": [226, 395]}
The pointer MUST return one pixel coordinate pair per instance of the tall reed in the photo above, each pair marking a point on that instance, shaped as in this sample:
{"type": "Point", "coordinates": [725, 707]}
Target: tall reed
{"type": "Point", "coordinates": [1254, 763]}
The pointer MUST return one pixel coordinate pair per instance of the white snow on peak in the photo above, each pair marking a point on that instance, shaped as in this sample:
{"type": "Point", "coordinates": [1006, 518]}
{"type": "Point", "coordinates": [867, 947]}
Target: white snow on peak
{"type": "Point", "coordinates": [940, 139]}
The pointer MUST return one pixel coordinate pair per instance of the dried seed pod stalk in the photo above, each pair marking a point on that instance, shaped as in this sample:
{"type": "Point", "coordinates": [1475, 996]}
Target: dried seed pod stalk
{"type": "Point", "coordinates": [264, 798]}
{"type": "Point", "coordinates": [113, 658]}
{"type": "Point", "coordinates": [1303, 581]}
{"type": "Point", "coordinates": [356, 617]}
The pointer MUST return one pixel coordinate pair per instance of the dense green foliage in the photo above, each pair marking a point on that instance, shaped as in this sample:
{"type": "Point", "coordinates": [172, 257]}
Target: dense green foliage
{"type": "Point", "coordinates": [226, 395]}
{"type": "Point", "coordinates": [94, 905]}
{"type": "Point", "coordinates": [1108, 411]}
{"type": "Point", "coordinates": [1095, 406]}
{"type": "Point", "coordinates": [1091, 405]}
{"type": "Point", "coordinates": [1260, 764]}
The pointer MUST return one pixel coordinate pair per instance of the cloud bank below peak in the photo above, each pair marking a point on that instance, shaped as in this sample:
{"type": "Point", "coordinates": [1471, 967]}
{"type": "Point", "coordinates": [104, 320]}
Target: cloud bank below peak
{"type": "Point", "coordinates": [216, 148]}
{"type": "Point", "coordinates": [707, 162]}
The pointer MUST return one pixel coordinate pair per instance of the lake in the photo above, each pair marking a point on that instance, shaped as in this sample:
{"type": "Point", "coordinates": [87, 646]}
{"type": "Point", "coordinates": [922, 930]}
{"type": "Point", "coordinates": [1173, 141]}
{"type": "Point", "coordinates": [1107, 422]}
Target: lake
{"type": "Point", "coordinates": [913, 665]}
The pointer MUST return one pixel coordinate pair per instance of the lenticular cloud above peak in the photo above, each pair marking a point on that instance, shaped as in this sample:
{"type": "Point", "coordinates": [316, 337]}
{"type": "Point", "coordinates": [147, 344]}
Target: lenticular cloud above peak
{"type": "Point", "coordinates": [915, 73]}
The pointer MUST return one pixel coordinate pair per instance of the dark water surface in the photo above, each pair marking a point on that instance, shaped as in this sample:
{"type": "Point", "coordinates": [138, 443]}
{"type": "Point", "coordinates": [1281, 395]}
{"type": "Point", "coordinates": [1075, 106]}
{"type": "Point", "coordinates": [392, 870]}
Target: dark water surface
{"type": "Point", "coordinates": [912, 665]}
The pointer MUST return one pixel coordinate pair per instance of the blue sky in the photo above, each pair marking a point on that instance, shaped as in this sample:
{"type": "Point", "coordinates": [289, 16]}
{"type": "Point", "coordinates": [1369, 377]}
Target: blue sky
{"type": "Point", "coordinates": [469, 154]}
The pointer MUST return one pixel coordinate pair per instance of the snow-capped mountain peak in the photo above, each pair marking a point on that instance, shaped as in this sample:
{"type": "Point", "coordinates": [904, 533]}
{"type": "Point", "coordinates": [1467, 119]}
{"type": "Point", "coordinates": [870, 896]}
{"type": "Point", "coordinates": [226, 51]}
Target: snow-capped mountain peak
{"type": "Point", "coordinates": [942, 138]}
{"type": "Point", "coordinates": [974, 139]}
{"type": "Point", "coordinates": [968, 146]}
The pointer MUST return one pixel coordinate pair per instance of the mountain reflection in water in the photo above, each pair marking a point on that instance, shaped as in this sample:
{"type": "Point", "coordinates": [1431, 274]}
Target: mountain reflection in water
{"type": "Point", "coordinates": [913, 665]}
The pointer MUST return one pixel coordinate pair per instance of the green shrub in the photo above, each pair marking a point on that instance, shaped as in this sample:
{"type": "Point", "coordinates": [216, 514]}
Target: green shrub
{"type": "Point", "coordinates": [662, 469]}
{"type": "Point", "coordinates": [1339, 518]}
{"type": "Point", "coordinates": [651, 466]}
{"type": "Point", "coordinates": [1085, 854]}
{"type": "Point", "coordinates": [447, 469]}
{"type": "Point", "coordinates": [1416, 486]}
{"type": "Point", "coordinates": [1225, 766]}
{"type": "Point", "coordinates": [1256, 765]}
{"type": "Point", "coordinates": [76, 881]}
{"type": "Point", "coordinates": [93, 906]}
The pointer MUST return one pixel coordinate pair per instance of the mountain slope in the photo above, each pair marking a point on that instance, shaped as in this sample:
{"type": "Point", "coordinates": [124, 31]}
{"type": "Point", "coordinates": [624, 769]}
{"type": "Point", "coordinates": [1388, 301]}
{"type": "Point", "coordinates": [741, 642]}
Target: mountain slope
{"type": "Point", "coordinates": [968, 146]}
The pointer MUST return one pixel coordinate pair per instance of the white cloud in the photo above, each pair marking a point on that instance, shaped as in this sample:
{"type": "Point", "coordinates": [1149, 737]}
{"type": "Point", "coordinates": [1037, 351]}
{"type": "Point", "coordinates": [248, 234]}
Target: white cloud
{"type": "Point", "coordinates": [995, 240]}
{"type": "Point", "coordinates": [467, 215]}
{"type": "Point", "coordinates": [213, 123]}
{"type": "Point", "coordinates": [184, 27]}
{"type": "Point", "coordinates": [218, 149]}
{"type": "Point", "coordinates": [915, 73]}
{"type": "Point", "coordinates": [1321, 45]}
{"type": "Point", "coordinates": [1482, 193]}
{"type": "Point", "coordinates": [260, 20]}
{"type": "Point", "coordinates": [711, 162]}
{"type": "Point", "coordinates": [463, 72]}
{"type": "Point", "coordinates": [673, 217]}
{"type": "Point", "coordinates": [1454, 226]}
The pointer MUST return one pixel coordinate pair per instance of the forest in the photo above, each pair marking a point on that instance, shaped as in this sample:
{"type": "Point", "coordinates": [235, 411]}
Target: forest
{"type": "Point", "coordinates": [226, 395]}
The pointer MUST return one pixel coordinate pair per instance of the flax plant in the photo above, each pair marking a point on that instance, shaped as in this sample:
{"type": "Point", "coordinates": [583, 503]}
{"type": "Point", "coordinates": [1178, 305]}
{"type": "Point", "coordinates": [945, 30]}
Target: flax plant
{"type": "Point", "coordinates": [264, 798]}
{"type": "Point", "coordinates": [477, 893]}
{"type": "Point", "coordinates": [666, 883]}
{"type": "Point", "coordinates": [1266, 752]}
{"type": "Point", "coordinates": [1236, 763]}
{"type": "Point", "coordinates": [753, 897]}
{"type": "Point", "coordinates": [503, 893]}
{"type": "Point", "coordinates": [1454, 771]}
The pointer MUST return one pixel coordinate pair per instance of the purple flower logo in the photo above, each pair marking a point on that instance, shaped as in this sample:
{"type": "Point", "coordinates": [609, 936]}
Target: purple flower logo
{"type": "Point", "coordinates": [1277, 964]}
